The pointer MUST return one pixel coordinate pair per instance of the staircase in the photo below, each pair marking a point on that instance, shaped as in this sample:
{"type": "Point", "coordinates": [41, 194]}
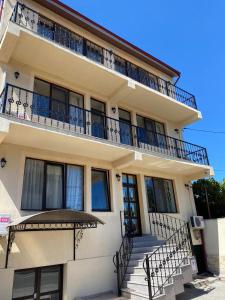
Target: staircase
{"type": "Point", "coordinates": [155, 266]}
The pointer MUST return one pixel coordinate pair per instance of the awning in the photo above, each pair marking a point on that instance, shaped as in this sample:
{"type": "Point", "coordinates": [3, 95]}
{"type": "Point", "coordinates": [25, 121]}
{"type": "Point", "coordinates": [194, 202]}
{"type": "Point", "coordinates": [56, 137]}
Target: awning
{"type": "Point", "coordinates": [63, 219]}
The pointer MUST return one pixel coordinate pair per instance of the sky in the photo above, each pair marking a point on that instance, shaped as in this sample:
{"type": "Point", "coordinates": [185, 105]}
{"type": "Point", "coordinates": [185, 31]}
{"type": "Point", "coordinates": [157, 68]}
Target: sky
{"type": "Point", "coordinates": [189, 36]}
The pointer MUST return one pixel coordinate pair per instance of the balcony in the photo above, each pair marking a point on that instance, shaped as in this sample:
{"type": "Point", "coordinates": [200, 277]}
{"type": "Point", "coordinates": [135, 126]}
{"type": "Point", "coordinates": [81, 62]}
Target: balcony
{"type": "Point", "coordinates": [97, 69]}
{"type": "Point", "coordinates": [24, 105]}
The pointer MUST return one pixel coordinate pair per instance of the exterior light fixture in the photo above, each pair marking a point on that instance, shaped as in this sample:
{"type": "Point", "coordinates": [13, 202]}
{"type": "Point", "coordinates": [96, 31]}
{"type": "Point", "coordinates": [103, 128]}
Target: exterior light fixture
{"type": "Point", "coordinates": [16, 74]}
{"type": "Point", "coordinates": [3, 162]}
{"type": "Point", "coordinates": [114, 110]}
{"type": "Point", "coordinates": [177, 130]}
{"type": "Point", "coordinates": [118, 177]}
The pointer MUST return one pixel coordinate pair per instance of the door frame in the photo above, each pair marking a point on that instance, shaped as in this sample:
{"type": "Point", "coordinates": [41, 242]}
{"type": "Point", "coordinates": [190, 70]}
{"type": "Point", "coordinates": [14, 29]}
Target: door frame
{"type": "Point", "coordinates": [37, 282]}
{"type": "Point", "coordinates": [135, 186]}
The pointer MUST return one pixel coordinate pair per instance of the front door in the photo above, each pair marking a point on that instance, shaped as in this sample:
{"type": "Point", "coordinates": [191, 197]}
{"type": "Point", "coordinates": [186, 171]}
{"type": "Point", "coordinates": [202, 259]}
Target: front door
{"type": "Point", "coordinates": [132, 219]}
{"type": "Point", "coordinates": [44, 283]}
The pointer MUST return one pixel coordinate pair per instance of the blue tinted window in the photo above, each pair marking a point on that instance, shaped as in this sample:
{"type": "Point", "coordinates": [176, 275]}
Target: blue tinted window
{"type": "Point", "coordinates": [100, 191]}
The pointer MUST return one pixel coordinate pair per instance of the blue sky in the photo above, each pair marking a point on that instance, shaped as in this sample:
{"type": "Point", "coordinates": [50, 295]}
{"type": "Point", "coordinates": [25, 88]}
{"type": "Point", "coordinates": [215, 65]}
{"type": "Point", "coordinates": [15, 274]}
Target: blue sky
{"type": "Point", "coordinates": [188, 35]}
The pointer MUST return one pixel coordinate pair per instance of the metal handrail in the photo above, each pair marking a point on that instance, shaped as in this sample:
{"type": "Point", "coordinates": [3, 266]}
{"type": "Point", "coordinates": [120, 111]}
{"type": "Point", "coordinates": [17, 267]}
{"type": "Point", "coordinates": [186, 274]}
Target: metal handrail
{"type": "Point", "coordinates": [45, 27]}
{"type": "Point", "coordinates": [26, 104]}
{"type": "Point", "coordinates": [162, 263]}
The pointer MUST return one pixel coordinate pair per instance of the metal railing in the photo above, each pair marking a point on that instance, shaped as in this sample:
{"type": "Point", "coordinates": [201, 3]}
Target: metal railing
{"type": "Point", "coordinates": [167, 259]}
{"type": "Point", "coordinates": [30, 106]}
{"type": "Point", "coordinates": [121, 260]}
{"type": "Point", "coordinates": [32, 20]}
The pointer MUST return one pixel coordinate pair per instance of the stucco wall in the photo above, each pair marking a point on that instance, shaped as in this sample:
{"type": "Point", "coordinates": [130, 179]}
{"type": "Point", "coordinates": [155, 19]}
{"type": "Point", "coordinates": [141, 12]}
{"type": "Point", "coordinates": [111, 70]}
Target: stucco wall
{"type": "Point", "coordinates": [214, 235]}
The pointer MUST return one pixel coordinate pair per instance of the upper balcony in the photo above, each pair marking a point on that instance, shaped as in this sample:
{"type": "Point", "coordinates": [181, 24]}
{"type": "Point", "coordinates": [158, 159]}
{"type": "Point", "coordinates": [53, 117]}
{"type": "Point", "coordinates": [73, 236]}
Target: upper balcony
{"type": "Point", "coordinates": [95, 134]}
{"type": "Point", "coordinates": [59, 51]}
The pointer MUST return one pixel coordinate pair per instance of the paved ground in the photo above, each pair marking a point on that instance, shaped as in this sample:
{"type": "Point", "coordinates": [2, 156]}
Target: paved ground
{"type": "Point", "coordinates": [210, 291]}
{"type": "Point", "coordinates": [213, 291]}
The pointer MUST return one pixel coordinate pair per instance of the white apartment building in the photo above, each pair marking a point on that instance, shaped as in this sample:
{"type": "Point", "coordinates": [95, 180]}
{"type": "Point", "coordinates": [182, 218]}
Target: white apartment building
{"type": "Point", "coordinates": [94, 168]}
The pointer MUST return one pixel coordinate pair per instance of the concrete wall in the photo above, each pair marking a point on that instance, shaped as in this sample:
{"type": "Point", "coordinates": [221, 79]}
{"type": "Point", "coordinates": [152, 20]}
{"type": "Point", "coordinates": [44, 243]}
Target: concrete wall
{"type": "Point", "coordinates": [214, 235]}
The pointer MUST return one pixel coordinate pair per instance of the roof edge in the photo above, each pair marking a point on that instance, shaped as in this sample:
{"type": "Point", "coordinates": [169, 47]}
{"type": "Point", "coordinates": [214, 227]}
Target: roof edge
{"type": "Point", "coordinates": [74, 16]}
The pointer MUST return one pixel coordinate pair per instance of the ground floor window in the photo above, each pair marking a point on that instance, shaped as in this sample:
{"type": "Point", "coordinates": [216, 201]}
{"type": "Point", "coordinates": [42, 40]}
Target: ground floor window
{"type": "Point", "coordinates": [38, 283]}
{"type": "Point", "coordinates": [100, 190]}
{"type": "Point", "coordinates": [160, 195]}
{"type": "Point", "coordinates": [49, 185]}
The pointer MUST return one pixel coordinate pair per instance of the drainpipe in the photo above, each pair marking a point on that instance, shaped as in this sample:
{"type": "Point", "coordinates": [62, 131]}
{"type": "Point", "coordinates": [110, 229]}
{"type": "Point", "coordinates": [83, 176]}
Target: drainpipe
{"type": "Point", "coordinates": [177, 80]}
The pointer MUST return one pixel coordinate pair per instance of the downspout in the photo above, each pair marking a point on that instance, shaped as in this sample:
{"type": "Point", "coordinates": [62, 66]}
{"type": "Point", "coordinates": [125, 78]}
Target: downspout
{"type": "Point", "coordinates": [177, 80]}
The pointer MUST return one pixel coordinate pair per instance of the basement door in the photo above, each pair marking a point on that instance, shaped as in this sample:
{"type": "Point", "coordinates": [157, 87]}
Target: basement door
{"type": "Point", "coordinates": [44, 283]}
{"type": "Point", "coordinates": [132, 220]}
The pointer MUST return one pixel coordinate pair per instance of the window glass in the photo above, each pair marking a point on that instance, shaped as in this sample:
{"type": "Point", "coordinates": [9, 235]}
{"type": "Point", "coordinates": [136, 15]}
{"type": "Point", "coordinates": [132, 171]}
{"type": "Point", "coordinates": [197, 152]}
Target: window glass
{"type": "Point", "coordinates": [33, 183]}
{"type": "Point", "coordinates": [100, 191]}
{"type": "Point", "coordinates": [97, 106]}
{"type": "Point", "coordinates": [41, 87]}
{"type": "Point", "coordinates": [23, 284]}
{"type": "Point", "coordinates": [59, 93]}
{"type": "Point", "coordinates": [54, 186]}
{"type": "Point", "coordinates": [74, 187]}
{"type": "Point", "coordinates": [124, 115]}
{"type": "Point", "coordinates": [160, 195]}
{"type": "Point", "coordinates": [76, 99]}
{"type": "Point", "coordinates": [150, 193]}
{"type": "Point", "coordinates": [50, 278]}
{"type": "Point", "coordinates": [37, 196]}
{"type": "Point", "coordinates": [140, 121]}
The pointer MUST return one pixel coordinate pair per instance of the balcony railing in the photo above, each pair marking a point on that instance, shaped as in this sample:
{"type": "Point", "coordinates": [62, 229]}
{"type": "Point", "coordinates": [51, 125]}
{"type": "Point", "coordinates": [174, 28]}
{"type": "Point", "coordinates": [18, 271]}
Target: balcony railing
{"type": "Point", "coordinates": [30, 106]}
{"type": "Point", "coordinates": [32, 20]}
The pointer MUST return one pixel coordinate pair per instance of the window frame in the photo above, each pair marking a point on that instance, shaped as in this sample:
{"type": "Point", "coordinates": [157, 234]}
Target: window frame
{"type": "Point", "coordinates": [154, 122]}
{"type": "Point", "coordinates": [107, 187]}
{"type": "Point", "coordinates": [37, 280]}
{"type": "Point", "coordinates": [155, 200]}
{"type": "Point", "coordinates": [64, 185]}
{"type": "Point", "coordinates": [68, 91]}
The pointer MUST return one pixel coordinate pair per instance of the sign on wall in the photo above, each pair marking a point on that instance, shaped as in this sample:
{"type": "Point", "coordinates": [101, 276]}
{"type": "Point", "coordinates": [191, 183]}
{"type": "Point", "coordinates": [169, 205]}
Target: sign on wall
{"type": "Point", "coordinates": [4, 222]}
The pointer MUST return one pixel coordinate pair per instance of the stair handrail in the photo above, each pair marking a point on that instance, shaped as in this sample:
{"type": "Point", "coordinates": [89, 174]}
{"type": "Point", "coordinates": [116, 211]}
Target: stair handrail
{"type": "Point", "coordinates": [122, 256]}
{"type": "Point", "coordinates": [162, 263]}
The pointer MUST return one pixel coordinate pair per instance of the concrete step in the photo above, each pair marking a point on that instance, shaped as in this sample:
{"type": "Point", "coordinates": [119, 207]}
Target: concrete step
{"type": "Point", "coordinates": [150, 243]}
{"type": "Point", "coordinates": [143, 238]}
{"type": "Point", "coordinates": [157, 256]}
{"type": "Point", "coordinates": [147, 247]}
{"type": "Point", "coordinates": [187, 273]}
{"type": "Point", "coordinates": [132, 294]}
{"type": "Point", "coordinates": [140, 271]}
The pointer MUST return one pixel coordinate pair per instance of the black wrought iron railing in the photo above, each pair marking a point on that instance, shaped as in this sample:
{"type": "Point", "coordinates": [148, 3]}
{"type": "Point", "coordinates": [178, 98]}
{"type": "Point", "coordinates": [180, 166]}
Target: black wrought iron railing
{"type": "Point", "coordinates": [166, 260]}
{"type": "Point", "coordinates": [121, 260]}
{"type": "Point", "coordinates": [34, 21]}
{"type": "Point", "coordinates": [30, 106]}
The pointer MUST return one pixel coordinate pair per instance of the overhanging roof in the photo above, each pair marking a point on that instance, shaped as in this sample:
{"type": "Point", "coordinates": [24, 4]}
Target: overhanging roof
{"type": "Point", "coordinates": [64, 218]}
{"type": "Point", "coordinates": [74, 16]}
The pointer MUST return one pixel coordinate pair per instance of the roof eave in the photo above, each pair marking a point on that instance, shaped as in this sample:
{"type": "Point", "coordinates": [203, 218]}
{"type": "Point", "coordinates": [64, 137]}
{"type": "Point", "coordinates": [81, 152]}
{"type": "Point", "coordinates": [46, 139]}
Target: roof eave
{"type": "Point", "coordinates": [74, 16]}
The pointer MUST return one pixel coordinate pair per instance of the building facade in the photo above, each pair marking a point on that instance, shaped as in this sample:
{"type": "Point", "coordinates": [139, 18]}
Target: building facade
{"type": "Point", "coordinates": [89, 123]}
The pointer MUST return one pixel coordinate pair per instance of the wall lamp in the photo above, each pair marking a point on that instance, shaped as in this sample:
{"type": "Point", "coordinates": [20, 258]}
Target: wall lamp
{"type": "Point", "coordinates": [16, 74]}
{"type": "Point", "coordinates": [118, 177]}
{"type": "Point", "coordinates": [177, 130]}
{"type": "Point", "coordinates": [3, 162]}
{"type": "Point", "coordinates": [114, 110]}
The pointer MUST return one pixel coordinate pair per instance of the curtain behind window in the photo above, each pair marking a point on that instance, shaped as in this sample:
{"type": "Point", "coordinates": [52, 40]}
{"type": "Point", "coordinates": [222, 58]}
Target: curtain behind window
{"type": "Point", "coordinates": [33, 184]}
{"type": "Point", "coordinates": [74, 187]}
{"type": "Point", "coordinates": [54, 186]}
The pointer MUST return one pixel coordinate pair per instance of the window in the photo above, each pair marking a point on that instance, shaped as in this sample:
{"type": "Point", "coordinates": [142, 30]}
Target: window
{"type": "Point", "coordinates": [48, 185]}
{"type": "Point", "coordinates": [125, 127]}
{"type": "Point", "coordinates": [58, 103]}
{"type": "Point", "coordinates": [150, 132]}
{"type": "Point", "coordinates": [100, 190]}
{"type": "Point", "coordinates": [45, 282]}
{"type": "Point", "coordinates": [98, 120]}
{"type": "Point", "coordinates": [160, 195]}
